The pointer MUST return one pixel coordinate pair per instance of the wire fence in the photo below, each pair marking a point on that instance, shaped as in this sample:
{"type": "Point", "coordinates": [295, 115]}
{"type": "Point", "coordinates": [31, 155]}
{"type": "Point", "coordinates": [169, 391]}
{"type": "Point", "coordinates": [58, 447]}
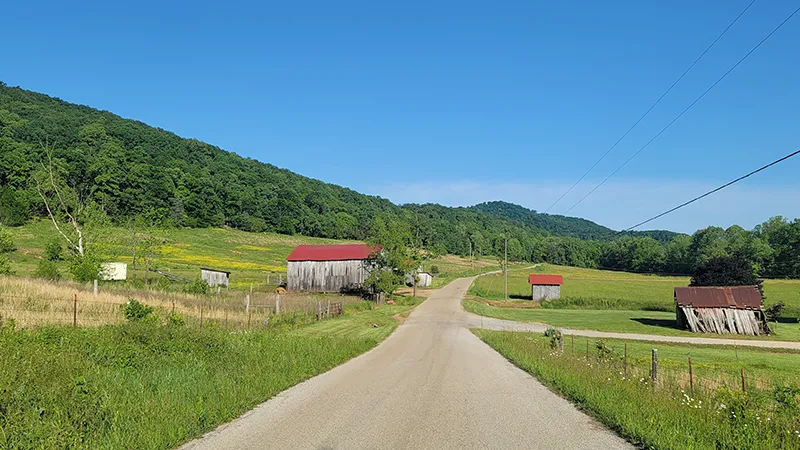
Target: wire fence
{"type": "Point", "coordinates": [84, 309]}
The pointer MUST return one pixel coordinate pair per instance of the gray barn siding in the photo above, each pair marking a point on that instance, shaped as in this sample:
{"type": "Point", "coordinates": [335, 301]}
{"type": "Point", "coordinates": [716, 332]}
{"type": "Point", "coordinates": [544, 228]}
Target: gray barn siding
{"type": "Point", "coordinates": [545, 292]}
{"type": "Point", "coordinates": [214, 278]}
{"type": "Point", "coordinates": [325, 276]}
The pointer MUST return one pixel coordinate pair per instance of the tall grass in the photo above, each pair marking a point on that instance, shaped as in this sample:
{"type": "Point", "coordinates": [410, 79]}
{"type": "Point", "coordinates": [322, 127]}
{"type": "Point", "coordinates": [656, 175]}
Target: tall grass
{"type": "Point", "coordinates": [34, 303]}
{"type": "Point", "coordinates": [717, 414]}
{"type": "Point", "coordinates": [155, 383]}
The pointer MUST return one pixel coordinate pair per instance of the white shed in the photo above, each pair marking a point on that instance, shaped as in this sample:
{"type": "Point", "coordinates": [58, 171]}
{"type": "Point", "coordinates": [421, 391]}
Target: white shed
{"type": "Point", "coordinates": [114, 271]}
{"type": "Point", "coordinates": [424, 279]}
{"type": "Point", "coordinates": [215, 277]}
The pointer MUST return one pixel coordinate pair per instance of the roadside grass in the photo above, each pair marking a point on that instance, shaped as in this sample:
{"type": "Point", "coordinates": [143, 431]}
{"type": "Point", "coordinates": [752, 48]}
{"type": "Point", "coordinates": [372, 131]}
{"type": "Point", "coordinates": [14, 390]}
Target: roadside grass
{"type": "Point", "coordinates": [155, 385]}
{"type": "Point", "coordinates": [715, 415]}
{"type": "Point", "coordinates": [619, 321]}
{"type": "Point", "coordinates": [604, 289]}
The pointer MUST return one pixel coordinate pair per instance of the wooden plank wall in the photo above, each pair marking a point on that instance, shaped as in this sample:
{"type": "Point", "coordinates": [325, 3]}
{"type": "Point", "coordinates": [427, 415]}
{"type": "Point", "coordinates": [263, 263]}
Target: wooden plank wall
{"type": "Point", "coordinates": [325, 276]}
{"type": "Point", "coordinates": [723, 320]}
{"type": "Point", "coordinates": [214, 278]}
{"type": "Point", "coordinates": [543, 292]}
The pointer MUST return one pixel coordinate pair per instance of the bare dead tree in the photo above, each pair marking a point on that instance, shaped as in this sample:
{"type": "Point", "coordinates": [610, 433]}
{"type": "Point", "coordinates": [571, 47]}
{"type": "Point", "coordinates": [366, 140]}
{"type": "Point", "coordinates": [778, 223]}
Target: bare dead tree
{"type": "Point", "coordinates": [50, 184]}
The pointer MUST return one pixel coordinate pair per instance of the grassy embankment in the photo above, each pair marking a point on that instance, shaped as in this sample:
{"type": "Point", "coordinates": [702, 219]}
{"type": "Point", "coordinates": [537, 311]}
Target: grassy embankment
{"type": "Point", "coordinates": [612, 301]}
{"type": "Point", "coordinates": [717, 414]}
{"type": "Point", "coordinates": [155, 385]}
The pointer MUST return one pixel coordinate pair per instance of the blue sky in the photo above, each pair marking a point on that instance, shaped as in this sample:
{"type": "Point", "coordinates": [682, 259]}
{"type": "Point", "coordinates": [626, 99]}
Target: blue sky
{"type": "Point", "coordinates": [449, 102]}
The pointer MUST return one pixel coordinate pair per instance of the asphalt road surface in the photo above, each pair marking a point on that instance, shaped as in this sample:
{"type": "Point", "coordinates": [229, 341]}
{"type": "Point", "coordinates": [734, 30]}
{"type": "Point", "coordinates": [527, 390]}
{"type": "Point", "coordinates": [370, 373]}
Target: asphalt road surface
{"type": "Point", "coordinates": [431, 385]}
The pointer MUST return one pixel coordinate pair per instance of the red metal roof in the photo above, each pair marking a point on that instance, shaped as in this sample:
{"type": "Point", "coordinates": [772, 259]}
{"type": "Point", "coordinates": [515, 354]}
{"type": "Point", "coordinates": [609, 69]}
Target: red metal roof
{"type": "Point", "coordinates": [719, 297]}
{"type": "Point", "coordinates": [342, 252]}
{"type": "Point", "coordinates": [549, 280]}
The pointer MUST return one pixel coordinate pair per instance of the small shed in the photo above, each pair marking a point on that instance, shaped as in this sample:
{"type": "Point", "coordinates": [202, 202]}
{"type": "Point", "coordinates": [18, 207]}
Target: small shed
{"type": "Point", "coordinates": [723, 309]}
{"type": "Point", "coordinates": [328, 268]}
{"type": "Point", "coordinates": [424, 279]}
{"type": "Point", "coordinates": [114, 271]}
{"type": "Point", "coordinates": [545, 287]}
{"type": "Point", "coordinates": [215, 277]}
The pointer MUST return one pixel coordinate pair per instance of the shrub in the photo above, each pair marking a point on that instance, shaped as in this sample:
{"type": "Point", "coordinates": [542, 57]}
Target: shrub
{"type": "Point", "coordinates": [434, 270]}
{"type": "Point", "coordinates": [555, 336]}
{"type": "Point", "coordinates": [176, 319]}
{"type": "Point", "coordinates": [5, 266]}
{"type": "Point", "coordinates": [47, 270]}
{"type": "Point", "coordinates": [85, 270]}
{"type": "Point", "coordinates": [135, 311]}
{"type": "Point", "coordinates": [53, 250]}
{"type": "Point", "coordinates": [773, 312]}
{"type": "Point", "coordinates": [197, 287]}
{"type": "Point", "coordinates": [603, 351]}
{"type": "Point", "coordinates": [6, 241]}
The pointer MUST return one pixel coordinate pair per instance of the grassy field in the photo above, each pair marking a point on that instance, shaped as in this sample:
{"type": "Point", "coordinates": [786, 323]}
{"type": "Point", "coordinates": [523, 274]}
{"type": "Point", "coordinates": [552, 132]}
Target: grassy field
{"type": "Point", "coordinates": [620, 321]}
{"type": "Point", "coordinates": [154, 385]}
{"type": "Point", "coordinates": [602, 289]}
{"type": "Point", "coordinates": [716, 414]}
{"type": "Point", "coordinates": [250, 257]}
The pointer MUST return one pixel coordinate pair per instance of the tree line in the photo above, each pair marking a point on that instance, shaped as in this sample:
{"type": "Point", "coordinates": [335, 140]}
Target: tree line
{"type": "Point", "coordinates": [113, 170]}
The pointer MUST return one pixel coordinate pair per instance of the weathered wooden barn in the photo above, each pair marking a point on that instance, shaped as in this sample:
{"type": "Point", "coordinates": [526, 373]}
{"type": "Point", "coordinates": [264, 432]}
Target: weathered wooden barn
{"type": "Point", "coordinates": [730, 309]}
{"type": "Point", "coordinates": [114, 271]}
{"type": "Point", "coordinates": [545, 287]}
{"type": "Point", "coordinates": [215, 277]}
{"type": "Point", "coordinates": [328, 268]}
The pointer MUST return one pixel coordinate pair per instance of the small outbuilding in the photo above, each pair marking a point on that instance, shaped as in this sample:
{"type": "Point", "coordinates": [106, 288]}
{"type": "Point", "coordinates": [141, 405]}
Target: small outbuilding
{"type": "Point", "coordinates": [545, 287]}
{"type": "Point", "coordinates": [328, 268]}
{"type": "Point", "coordinates": [114, 271]}
{"type": "Point", "coordinates": [724, 309]}
{"type": "Point", "coordinates": [424, 279]}
{"type": "Point", "coordinates": [215, 277]}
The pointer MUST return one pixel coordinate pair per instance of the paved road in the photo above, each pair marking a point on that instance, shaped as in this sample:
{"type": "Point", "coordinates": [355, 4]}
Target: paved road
{"type": "Point", "coordinates": [431, 385]}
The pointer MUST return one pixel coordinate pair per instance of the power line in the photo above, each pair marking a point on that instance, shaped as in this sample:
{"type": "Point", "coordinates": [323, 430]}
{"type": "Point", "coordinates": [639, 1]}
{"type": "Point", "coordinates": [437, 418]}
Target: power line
{"type": "Point", "coordinates": [687, 108]}
{"type": "Point", "coordinates": [713, 191]}
{"type": "Point", "coordinates": [653, 105]}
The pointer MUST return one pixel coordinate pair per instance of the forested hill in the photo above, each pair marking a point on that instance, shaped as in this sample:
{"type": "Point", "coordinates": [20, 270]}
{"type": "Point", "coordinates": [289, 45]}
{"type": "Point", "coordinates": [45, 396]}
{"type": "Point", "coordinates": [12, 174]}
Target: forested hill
{"type": "Point", "coordinates": [562, 225]}
{"type": "Point", "coordinates": [127, 167]}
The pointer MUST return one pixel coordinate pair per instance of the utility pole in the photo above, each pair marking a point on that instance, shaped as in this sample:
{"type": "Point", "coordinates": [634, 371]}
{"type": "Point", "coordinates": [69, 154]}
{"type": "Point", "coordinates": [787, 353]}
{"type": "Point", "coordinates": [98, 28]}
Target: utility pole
{"type": "Point", "coordinates": [505, 267]}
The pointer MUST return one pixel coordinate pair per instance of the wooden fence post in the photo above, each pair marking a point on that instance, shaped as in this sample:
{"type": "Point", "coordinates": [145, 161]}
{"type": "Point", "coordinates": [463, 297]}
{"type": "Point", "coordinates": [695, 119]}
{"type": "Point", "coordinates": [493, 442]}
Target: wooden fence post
{"type": "Point", "coordinates": [280, 279]}
{"type": "Point", "coordinates": [561, 343]}
{"type": "Point", "coordinates": [654, 369]}
{"type": "Point", "coordinates": [328, 310]}
{"type": "Point", "coordinates": [173, 307]}
{"type": "Point", "coordinates": [74, 310]}
{"type": "Point", "coordinates": [95, 288]}
{"type": "Point", "coordinates": [587, 347]}
{"type": "Point", "coordinates": [278, 304]}
{"type": "Point", "coordinates": [249, 315]}
{"type": "Point", "coordinates": [743, 387]}
{"type": "Point", "coordinates": [319, 309]}
{"type": "Point", "coordinates": [572, 337]}
{"type": "Point", "coordinates": [691, 377]}
{"type": "Point", "coordinates": [201, 315]}
{"type": "Point", "coordinates": [247, 304]}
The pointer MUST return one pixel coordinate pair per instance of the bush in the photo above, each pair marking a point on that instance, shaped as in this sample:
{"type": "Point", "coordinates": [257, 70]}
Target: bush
{"type": "Point", "coordinates": [198, 287]}
{"type": "Point", "coordinates": [773, 312]}
{"type": "Point", "coordinates": [6, 241]}
{"type": "Point", "coordinates": [135, 311]}
{"type": "Point", "coordinates": [85, 270]}
{"type": "Point", "coordinates": [53, 250]}
{"type": "Point", "coordinates": [176, 319]}
{"type": "Point", "coordinates": [47, 270]}
{"type": "Point", "coordinates": [434, 270]}
{"type": "Point", "coordinates": [5, 266]}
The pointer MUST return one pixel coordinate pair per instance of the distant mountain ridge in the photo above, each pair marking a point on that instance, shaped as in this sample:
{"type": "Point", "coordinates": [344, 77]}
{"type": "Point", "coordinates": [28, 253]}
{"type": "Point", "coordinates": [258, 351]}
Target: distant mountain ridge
{"type": "Point", "coordinates": [563, 225]}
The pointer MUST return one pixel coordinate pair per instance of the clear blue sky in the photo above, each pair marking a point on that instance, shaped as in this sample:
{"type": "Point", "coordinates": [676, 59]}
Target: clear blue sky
{"type": "Point", "coordinates": [450, 102]}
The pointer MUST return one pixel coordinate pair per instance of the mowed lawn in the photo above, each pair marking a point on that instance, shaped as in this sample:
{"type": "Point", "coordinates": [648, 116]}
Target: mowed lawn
{"type": "Point", "coordinates": [619, 321]}
{"type": "Point", "coordinates": [602, 289]}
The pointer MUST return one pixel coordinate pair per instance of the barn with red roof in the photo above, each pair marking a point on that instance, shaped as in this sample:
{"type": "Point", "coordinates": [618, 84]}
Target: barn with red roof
{"type": "Point", "coordinates": [328, 268]}
{"type": "Point", "coordinates": [545, 287]}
